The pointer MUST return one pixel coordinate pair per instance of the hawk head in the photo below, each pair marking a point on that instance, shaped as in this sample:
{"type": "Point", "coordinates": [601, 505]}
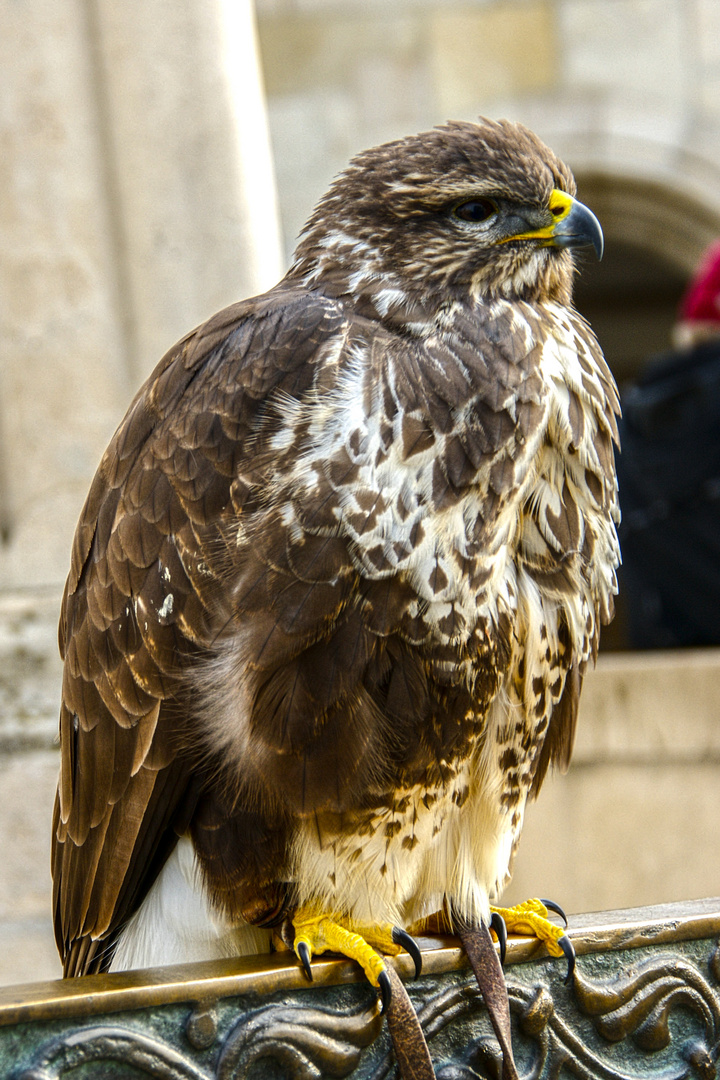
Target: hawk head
{"type": "Point", "coordinates": [450, 215]}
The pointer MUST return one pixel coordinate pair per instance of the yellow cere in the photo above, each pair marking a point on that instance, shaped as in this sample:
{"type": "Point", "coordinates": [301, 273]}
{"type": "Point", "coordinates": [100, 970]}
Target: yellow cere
{"type": "Point", "coordinates": [560, 206]}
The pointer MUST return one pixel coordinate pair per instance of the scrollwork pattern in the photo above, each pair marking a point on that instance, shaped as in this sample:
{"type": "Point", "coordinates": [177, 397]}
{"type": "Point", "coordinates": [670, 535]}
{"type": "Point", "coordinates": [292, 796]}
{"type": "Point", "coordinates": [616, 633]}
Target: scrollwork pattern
{"type": "Point", "coordinates": [107, 1044]}
{"type": "Point", "coordinates": [636, 1005]}
{"type": "Point", "coordinates": [308, 1043]}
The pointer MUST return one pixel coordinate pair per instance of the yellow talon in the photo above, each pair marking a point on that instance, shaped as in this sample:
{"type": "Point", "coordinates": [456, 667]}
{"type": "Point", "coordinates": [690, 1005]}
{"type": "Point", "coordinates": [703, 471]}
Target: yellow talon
{"type": "Point", "coordinates": [530, 919]}
{"type": "Point", "coordinates": [320, 933]}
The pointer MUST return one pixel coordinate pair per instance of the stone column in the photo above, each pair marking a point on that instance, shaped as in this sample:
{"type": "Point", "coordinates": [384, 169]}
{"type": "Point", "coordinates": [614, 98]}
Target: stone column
{"type": "Point", "coordinates": [138, 197]}
{"type": "Point", "coordinates": [191, 188]}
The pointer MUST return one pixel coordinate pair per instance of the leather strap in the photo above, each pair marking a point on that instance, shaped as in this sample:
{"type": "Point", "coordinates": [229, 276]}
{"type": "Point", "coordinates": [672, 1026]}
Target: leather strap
{"type": "Point", "coordinates": [411, 1051]}
{"type": "Point", "coordinates": [484, 961]}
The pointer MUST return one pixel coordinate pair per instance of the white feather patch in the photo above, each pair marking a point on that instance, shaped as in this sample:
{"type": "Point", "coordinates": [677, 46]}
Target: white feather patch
{"type": "Point", "coordinates": [175, 924]}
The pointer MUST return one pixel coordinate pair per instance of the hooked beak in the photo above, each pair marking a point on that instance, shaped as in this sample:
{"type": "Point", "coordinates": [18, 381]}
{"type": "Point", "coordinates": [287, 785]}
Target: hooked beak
{"type": "Point", "coordinates": [573, 226]}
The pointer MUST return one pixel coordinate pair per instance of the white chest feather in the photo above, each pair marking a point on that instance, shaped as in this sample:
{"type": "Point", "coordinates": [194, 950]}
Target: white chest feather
{"type": "Point", "coordinates": [176, 923]}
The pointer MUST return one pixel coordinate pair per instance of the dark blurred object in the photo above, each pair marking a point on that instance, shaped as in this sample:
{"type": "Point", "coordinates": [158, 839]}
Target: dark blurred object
{"type": "Point", "coordinates": [669, 476]}
{"type": "Point", "coordinates": [630, 299]}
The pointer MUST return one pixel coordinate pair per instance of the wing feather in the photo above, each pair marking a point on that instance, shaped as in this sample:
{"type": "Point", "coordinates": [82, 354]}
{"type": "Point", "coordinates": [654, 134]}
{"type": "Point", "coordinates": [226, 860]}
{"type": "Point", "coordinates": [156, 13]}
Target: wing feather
{"type": "Point", "coordinates": [143, 599]}
{"type": "Point", "coordinates": [558, 744]}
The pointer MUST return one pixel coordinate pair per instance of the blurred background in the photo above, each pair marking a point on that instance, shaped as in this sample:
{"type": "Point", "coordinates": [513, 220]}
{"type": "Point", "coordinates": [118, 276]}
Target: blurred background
{"type": "Point", "coordinates": [157, 161]}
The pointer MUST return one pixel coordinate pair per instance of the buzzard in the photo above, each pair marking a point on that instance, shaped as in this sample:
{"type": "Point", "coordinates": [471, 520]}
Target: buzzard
{"type": "Point", "coordinates": [339, 575]}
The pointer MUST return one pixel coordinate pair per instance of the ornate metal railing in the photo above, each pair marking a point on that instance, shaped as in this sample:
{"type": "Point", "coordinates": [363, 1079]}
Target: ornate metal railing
{"type": "Point", "coordinates": [644, 1004]}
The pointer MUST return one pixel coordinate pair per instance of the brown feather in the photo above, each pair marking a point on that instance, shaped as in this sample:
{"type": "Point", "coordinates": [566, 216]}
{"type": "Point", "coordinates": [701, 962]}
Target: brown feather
{"type": "Point", "coordinates": [280, 607]}
{"type": "Point", "coordinates": [558, 744]}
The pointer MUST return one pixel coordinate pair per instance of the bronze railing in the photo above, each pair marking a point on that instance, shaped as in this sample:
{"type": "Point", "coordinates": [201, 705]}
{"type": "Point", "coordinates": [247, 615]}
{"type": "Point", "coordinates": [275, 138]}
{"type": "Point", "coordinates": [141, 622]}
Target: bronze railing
{"type": "Point", "coordinates": [644, 1004]}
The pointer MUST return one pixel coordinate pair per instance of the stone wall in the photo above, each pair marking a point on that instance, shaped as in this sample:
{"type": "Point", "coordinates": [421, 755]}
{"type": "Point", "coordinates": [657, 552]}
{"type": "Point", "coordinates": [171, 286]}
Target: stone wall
{"type": "Point", "coordinates": [30, 675]}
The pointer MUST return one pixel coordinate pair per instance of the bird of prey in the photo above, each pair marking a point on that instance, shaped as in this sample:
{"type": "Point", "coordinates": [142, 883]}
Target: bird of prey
{"type": "Point", "coordinates": [339, 575]}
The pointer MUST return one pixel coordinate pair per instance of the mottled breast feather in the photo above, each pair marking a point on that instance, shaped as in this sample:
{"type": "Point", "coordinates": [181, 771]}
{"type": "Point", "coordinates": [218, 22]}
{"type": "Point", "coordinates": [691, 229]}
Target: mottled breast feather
{"type": "Point", "coordinates": [436, 527]}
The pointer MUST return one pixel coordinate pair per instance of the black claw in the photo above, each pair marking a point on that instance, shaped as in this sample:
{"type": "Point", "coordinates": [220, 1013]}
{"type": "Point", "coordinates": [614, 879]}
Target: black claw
{"type": "Point", "coordinates": [385, 990]}
{"type": "Point", "coordinates": [410, 945]}
{"type": "Point", "coordinates": [304, 952]}
{"type": "Point", "coordinates": [568, 948]}
{"type": "Point", "coordinates": [552, 906]}
{"type": "Point", "coordinates": [497, 923]}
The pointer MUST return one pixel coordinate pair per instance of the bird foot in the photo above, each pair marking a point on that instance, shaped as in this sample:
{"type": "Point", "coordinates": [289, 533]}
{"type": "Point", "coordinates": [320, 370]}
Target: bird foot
{"type": "Point", "coordinates": [530, 919]}
{"type": "Point", "coordinates": [318, 933]}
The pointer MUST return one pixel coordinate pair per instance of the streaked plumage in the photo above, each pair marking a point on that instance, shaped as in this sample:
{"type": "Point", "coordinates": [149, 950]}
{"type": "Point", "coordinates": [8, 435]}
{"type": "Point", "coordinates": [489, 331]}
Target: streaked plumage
{"type": "Point", "coordinates": [340, 572]}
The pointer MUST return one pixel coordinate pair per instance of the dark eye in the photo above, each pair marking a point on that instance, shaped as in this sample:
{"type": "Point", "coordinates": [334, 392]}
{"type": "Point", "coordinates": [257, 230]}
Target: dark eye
{"type": "Point", "coordinates": [475, 210]}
